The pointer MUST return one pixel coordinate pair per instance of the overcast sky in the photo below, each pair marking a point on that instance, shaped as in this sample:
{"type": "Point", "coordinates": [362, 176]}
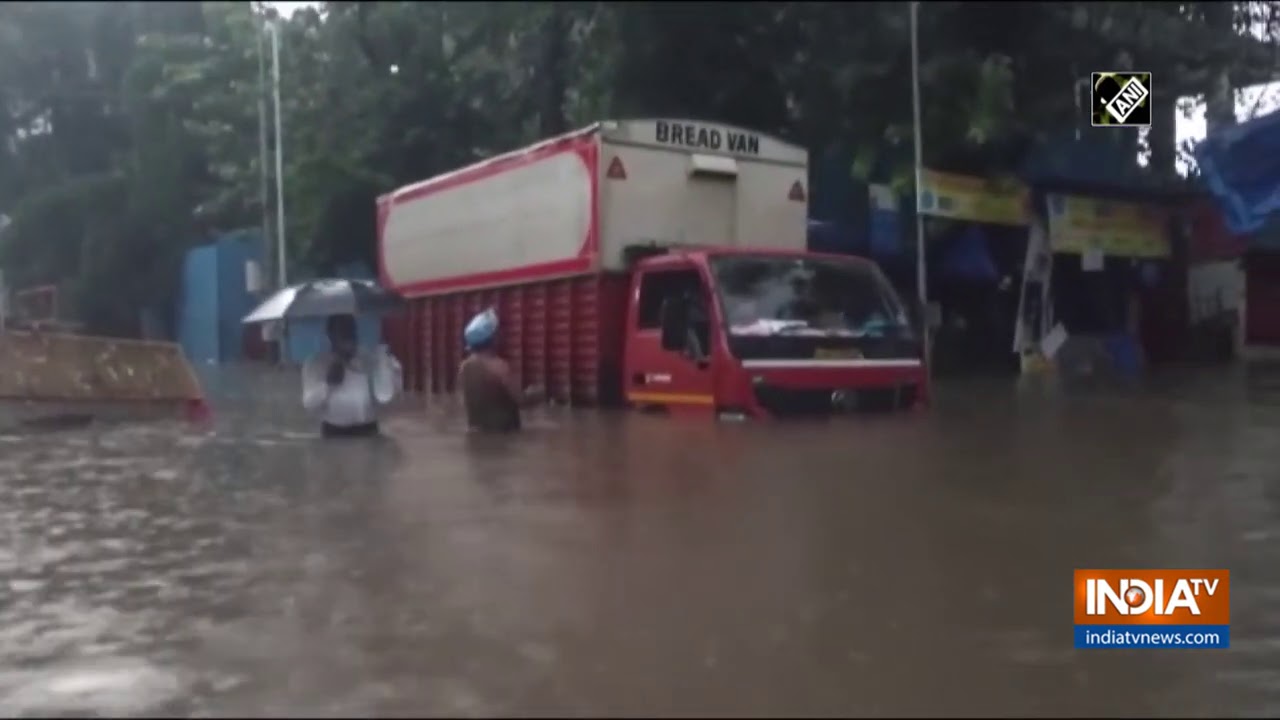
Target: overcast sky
{"type": "Point", "coordinates": [287, 8]}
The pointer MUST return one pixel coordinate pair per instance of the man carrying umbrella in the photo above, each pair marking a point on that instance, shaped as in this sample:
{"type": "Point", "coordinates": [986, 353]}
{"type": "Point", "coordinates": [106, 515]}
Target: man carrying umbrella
{"type": "Point", "coordinates": [343, 384]}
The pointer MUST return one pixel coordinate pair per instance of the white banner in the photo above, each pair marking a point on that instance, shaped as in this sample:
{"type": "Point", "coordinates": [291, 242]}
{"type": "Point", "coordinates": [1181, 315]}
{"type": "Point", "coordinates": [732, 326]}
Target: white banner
{"type": "Point", "coordinates": [1037, 269]}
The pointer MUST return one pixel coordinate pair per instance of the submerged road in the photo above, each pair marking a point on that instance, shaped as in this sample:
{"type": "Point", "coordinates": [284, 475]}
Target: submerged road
{"type": "Point", "coordinates": [625, 565]}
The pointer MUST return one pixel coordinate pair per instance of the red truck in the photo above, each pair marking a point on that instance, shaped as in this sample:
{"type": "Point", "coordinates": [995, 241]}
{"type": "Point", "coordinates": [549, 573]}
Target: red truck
{"type": "Point", "coordinates": [659, 264]}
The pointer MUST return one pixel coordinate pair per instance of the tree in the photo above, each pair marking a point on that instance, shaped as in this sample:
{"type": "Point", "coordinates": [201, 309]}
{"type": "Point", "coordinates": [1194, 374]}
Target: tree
{"type": "Point", "coordinates": [129, 131]}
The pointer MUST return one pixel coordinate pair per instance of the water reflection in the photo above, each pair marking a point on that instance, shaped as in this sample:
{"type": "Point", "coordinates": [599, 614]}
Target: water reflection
{"type": "Point", "coordinates": [603, 563]}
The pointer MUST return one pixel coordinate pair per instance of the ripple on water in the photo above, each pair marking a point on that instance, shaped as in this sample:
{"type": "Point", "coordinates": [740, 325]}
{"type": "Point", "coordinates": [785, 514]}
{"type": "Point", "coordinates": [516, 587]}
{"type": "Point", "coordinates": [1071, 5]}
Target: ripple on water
{"type": "Point", "coordinates": [98, 687]}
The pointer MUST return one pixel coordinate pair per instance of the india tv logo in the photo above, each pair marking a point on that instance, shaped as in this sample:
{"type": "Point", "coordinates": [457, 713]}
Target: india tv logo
{"type": "Point", "coordinates": [1183, 609]}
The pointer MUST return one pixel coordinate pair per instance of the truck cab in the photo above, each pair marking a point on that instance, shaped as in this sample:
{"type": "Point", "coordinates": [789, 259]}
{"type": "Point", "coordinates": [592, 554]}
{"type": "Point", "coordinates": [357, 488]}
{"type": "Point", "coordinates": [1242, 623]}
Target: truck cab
{"type": "Point", "coordinates": [758, 333]}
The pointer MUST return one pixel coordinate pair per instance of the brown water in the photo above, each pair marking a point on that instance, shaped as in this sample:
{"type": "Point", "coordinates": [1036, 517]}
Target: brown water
{"type": "Point", "coordinates": [626, 565]}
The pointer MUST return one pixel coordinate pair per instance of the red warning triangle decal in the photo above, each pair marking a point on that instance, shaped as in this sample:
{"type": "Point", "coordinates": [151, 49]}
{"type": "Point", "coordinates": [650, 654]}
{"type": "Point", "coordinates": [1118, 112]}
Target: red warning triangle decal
{"type": "Point", "coordinates": [797, 192]}
{"type": "Point", "coordinates": [616, 171]}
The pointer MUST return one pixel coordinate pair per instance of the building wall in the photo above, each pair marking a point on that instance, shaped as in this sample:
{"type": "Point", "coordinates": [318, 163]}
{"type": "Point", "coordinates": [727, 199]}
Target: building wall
{"type": "Point", "coordinates": [1262, 300]}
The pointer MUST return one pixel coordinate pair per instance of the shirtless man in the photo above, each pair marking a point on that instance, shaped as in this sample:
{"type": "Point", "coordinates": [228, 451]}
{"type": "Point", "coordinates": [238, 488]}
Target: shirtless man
{"type": "Point", "coordinates": [490, 392]}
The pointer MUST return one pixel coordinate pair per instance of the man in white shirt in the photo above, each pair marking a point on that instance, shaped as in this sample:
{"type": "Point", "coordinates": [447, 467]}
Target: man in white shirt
{"type": "Point", "coordinates": [344, 384]}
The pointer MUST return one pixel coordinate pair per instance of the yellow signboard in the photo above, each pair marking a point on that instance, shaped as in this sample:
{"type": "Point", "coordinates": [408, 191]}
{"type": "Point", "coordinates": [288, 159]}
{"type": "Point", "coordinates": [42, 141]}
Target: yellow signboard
{"type": "Point", "coordinates": [1121, 229]}
{"type": "Point", "coordinates": [960, 197]}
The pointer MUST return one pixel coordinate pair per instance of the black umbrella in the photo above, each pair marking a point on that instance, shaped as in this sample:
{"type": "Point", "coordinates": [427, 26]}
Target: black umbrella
{"type": "Point", "coordinates": [322, 298]}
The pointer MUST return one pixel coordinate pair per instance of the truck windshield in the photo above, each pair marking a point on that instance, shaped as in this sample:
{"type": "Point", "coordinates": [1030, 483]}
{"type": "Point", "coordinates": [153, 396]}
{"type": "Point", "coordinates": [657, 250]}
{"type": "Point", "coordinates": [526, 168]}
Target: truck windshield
{"type": "Point", "coordinates": [819, 297]}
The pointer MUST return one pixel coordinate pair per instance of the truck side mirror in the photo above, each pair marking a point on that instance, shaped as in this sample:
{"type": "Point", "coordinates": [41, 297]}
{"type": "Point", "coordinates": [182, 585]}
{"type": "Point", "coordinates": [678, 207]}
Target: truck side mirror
{"type": "Point", "coordinates": [675, 324]}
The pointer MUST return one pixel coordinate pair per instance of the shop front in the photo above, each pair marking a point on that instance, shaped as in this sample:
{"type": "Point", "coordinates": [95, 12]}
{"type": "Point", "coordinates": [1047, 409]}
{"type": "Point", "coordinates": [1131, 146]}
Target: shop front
{"type": "Point", "coordinates": [1215, 284]}
{"type": "Point", "coordinates": [976, 241]}
{"type": "Point", "coordinates": [1240, 168]}
{"type": "Point", "coordinates": [1114, 279]}
{"type": "Point", "coordinates": [1262, 303]}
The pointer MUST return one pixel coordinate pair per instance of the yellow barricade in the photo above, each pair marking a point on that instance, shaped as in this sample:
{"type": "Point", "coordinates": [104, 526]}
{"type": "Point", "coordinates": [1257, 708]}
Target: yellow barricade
{"type": "Point", "coordinates": [60, 367]}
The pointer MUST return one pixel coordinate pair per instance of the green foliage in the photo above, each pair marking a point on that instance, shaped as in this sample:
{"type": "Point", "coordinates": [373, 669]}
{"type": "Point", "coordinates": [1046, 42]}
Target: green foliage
{"type": "Point", "coordinates": [130, 130]}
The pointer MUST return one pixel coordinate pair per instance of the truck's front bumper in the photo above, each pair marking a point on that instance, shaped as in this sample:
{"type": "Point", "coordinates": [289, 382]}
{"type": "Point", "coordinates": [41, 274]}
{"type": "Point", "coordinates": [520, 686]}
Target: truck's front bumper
{"type": "Point", "coordinates": [784, 402]}
{"type": "Point", "coordinates": [782, 391]}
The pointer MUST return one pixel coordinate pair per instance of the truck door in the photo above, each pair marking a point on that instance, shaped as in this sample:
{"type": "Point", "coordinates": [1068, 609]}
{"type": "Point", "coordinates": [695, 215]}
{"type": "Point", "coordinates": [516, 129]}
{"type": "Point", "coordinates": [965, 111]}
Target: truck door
{"type": "Point", "coordinates": [711, 201]}
{"type": "Point", "coordinates": [679, 380]}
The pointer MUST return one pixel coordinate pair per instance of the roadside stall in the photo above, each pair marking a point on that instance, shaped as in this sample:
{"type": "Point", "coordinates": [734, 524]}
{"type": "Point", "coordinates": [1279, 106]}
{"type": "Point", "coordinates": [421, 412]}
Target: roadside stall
{"type": "Point", "coordinates": [1240, 166]}
{"type": "Point", "coordinates": [1215, 283]}
{"type": "Point", "coordinates": [976, 236]}
{"type": "Point", "coordinates": [1262, 301]}
{"type": "Point", "coordinates": [1111, 266]}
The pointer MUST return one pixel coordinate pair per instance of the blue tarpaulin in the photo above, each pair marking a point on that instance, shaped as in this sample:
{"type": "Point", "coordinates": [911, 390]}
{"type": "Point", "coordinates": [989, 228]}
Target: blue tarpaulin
{"type": "Point", "coordinates": [833, 237]}
{"type": "Point", "coordinates": [885, 234]}
{"type": "Point", "coordinates": [967, 257]}
{"type": "Point", "coordinates": [1241, 167]}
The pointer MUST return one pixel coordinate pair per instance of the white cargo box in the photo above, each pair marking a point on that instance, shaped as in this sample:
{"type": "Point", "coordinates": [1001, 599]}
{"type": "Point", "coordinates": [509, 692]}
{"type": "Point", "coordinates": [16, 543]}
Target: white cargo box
{"type": "Point", "coordinates": [572, 204]}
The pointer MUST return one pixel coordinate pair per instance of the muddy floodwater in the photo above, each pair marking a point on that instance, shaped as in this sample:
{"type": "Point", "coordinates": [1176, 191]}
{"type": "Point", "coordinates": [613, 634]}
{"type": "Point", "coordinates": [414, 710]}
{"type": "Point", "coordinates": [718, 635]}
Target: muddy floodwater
{"type": "Point", "coordinates": [626, 565]}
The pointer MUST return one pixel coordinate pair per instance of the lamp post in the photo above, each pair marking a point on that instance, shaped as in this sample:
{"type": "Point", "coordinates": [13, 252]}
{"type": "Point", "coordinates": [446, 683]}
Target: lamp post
{"type": "Point", "coordinates": [271, 25]}
{"type": "Point", "coordinates": [264, 191]}
{"type": "Point", "coordinates": [921, 263]}
{"type": "Point", "coordinates": [281, 276]}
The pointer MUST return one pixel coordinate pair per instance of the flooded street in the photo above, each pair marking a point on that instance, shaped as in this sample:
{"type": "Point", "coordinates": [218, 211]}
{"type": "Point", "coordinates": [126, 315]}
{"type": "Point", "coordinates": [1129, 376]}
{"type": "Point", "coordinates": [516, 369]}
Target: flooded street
{"type": "Point", "coordinates": [605, 563]}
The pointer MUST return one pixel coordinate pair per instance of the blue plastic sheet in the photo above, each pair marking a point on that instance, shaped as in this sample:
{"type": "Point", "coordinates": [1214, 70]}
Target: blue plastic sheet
{"type": "Point", "coordinates": [885, 234]}
{"type": "Point", "coordinates": [1126, 354]}
{"type": "Point", "coordinates": [968, 258]}
{"type": "Point", "coordinates": [833, 237]}
{"type": "Point", "coordinates": [1150, 275]}
{"type": "Point", "coordinates": [1241, 168]}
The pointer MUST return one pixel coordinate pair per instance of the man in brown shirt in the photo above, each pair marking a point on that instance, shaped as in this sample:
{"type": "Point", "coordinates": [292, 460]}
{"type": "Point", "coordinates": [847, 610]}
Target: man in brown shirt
{"type": "Point", "coordinates": [490, 391]}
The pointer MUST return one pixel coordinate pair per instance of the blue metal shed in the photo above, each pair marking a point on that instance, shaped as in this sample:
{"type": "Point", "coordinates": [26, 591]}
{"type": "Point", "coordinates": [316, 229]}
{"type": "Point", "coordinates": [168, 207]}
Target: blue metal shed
{"type": "Point", "coordinates": [198, 305]}
{"type": "Point", "coordinates": [215, 296]}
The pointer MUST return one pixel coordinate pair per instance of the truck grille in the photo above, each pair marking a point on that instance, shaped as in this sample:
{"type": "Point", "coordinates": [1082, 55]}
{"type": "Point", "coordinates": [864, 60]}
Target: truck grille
{"type": "Point", "coordinates": [791, 402]}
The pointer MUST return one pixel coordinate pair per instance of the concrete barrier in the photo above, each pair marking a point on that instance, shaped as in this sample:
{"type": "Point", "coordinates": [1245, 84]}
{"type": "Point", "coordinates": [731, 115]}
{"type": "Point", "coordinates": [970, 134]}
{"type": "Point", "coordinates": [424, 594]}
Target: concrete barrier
{"type": "Point", "coordinates": [61, 373]}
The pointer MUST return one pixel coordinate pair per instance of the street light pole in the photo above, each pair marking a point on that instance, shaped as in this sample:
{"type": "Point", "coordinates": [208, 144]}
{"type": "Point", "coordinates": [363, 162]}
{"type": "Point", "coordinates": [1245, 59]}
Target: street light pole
{"type": "Point", "coordinates": [272, 25]}
{"type": "Point", "coordinates": [275, 91]}
{"type": "Point", "coordinates": [264, 188]}
{"type": "Point", "coordinates": [921, 263]}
